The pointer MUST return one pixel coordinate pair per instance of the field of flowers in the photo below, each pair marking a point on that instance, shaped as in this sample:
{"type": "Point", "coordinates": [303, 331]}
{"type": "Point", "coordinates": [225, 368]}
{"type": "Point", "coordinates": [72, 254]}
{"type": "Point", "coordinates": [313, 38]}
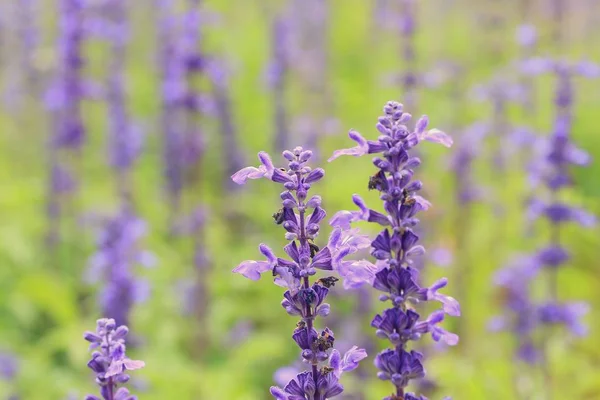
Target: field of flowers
{"type": "Point", "coordinates": [397, 258]}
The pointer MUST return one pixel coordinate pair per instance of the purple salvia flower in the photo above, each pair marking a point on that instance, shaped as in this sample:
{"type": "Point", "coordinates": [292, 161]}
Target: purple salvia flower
{"type": "Point", "coordinates": [182, 103]}
{"type": "Point", "coordinates": [302, 298]}
{"type": "Point", "coordinates": [118, 251]}
{"type": "Point", "coordinates": [396, 245]}
{"type": "Point", "coordinates": [560, 154]}
{"type": "Point", "coordinates": [63, 100]}
{"type": "Point", "coordinates": [109, 362]}
{"type": "Point", "coordinates": [520, 309]}
{"type": "Point", "coordinates": [69, 89]}
{"type": "Point", "coordinates": [173, 79]}
{"type": "Point", "coordinates": [551, 166]}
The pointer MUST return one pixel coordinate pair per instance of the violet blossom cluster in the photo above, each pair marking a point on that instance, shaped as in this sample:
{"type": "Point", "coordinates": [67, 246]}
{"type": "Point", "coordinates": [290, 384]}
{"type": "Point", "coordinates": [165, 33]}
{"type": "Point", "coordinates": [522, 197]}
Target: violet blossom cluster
{"type": "Point", "coordinates": [554, 157]}
{"type": "Point", "coordinates": [303, 298]}
{"type": "Point", "coordinates": [194, 66]}
{"type": "Point", "coordinates": [180, 61]}
{"type": "Point", "coordinates": [396, 246]}
{"type": "Point", "coordinates": [112, 264]}
{"type": "Point", "coordinates": [109, 361]}
{"type": "Point", "coordinates": [63, 100]}
{"type": "Point", "coordinates": [70, 88]}
{"type": "Point", "coordinates": [124, 136]}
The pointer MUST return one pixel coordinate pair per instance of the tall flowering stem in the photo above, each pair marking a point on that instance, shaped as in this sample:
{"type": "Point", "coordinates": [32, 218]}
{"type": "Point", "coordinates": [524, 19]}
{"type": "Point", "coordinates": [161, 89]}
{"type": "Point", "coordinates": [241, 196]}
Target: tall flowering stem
{"type": "Point", "coordinates": [524, 315]}
{"type": "Point", "coordinates": [193, 61]}
{"type": "Point", "coordinates": [118, 252]}
{"type": "Point", "coordinates": [109, 362]}
{"type": "Point", "coordinates": [396, 245]}
{"type": "Point", "coordinates": [303, 298]}
{"type": "Point", "coordinates": [173, 87]}
{"type": "Point", "coordinates": [555, 156]}
{"type": "Point", "coordinates": [63, 100]}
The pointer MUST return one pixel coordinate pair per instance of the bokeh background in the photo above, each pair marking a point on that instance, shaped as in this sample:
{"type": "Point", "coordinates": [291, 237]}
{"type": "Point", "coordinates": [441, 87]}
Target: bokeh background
{"type": "Point", "coordinates": [171, 97]}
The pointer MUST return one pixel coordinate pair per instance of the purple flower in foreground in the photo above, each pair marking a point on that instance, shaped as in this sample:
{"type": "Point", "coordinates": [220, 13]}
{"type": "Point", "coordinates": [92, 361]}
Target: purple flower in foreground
{"type": "Point", "coordinates": [303, 298]}
{"type": "Point", "coordinates": [109, 362]}
{"type": "Point", "coordinates": [395, 246]}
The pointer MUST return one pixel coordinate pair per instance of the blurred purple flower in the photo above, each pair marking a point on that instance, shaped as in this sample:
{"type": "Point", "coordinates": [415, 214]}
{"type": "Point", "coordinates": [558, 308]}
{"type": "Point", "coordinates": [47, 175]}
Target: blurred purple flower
{"type": "Point", "coordinates": [118, 251]}
{"type": "Point", "coordinates": [552, 160]}
{"type": "Point", "coordinates": [9, 365]}
{"type": "Point", "coordinates": [527, 35]}
{"type": "Point", "coordinates": [125, 138]}
{"type": "Point", "coordinates": [468, 148]}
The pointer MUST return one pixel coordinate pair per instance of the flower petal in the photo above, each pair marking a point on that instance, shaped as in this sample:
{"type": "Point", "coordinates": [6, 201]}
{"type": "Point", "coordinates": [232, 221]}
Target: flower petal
{"type": "Point", "coordinates": [278, 394]}
{"type": "Point", "coordinates": [252, 269]}
{"type": "Point", "coordinates": [360, 150]}
{"type": "Point", "coordinates": [246, 173]}
{"type": "Point", "coordinates": [436, 136]}
{"type": "Point", "coordinates": [352, 358]}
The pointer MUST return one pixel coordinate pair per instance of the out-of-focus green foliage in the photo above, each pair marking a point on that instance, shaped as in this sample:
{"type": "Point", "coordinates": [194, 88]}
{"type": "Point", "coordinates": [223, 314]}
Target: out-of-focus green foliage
{"type": "Point", "coordinates": [45, 306]}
